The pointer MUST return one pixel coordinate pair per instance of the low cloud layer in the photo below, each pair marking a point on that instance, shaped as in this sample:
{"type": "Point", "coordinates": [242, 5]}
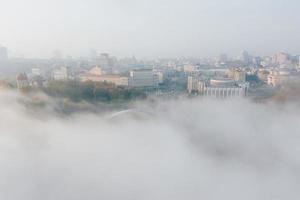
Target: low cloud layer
{"type": "Point", "coordinates": [184, 149]}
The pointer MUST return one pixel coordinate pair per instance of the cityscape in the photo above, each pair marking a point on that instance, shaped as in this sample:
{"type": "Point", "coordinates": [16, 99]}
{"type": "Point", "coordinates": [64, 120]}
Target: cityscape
{"type": "Point", "coordinates": [149, 100]}
{"type": "Point", "coordinates": [222, 77]}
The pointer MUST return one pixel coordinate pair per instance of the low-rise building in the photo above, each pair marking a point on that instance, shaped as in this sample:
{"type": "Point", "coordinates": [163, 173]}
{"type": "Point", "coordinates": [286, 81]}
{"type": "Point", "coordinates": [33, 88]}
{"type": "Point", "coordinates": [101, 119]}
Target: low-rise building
{"type": "Point", "coordinates": [218, 87]}
{"type": "Point", "coordinates": [143, 78]}
{"type": "Point", "coordinates": [22, 81]}
{"type": "Point", "coordinates": [237, 74]}
{"type": "Point", "coordinates": [60, 74]}
{"type": "Point", "coordinates": [96, 75]}
{"type": "Point", "coordinates": [278, 78]}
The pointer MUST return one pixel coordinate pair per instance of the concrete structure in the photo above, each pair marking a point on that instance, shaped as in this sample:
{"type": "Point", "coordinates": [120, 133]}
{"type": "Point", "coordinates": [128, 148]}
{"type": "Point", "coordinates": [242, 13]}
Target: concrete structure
{"type": "Point", "coordinates": [263, 75]}
{"type": "Point", "coordinates": [219, 88]}
{"type": "Point", "coordinates": [96, 71]}
{"type": "Point", "coordinates": [237, 74]}
{"type": "Point", "coordinates": [160, 75]}
{"type": "Point", "coordinates": [195, 84]}
{"type": "Point", "coordinates": [281, 58]}
{"type": "Point", "coordinates": [143, 78]}
{"type": "Point", "coordinates": [95, 75]}
{"type": "Point", "coordinates": [36, 71]}
{"type": "Point", "coordinates": [190, 68]}
{"type": "Point", "coordinates": [22, 81]}
{"type": "Point", "coordinates": [60, 74]}
{"type": "Point", "coordinates": [222, 82]}
{"type": "Point", "coordinates": [278, 78]}
{"type": "Point", "coordinates": [220, 92]}
{"type": "Point", "coordinates": [245, 57]}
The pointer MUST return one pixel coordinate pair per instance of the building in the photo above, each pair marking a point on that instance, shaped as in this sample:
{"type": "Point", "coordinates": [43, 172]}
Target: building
{"type": "Point", "coordinates": [222, 82]}
{"type": "Point", "coordinates": [143, 78]}
{"type": "Point", "coordinates": [60, 74]}
{"type": "Point", "coordinates": [222, 59]}
{"type": "Point", "coordinates": [160, 75]}
{"type": "Point", "coordinates": [22, 81]}
{"type": "Point", "coordinates": [245, 57]}
{"type": "Point", "coordinates": [95, 75]}
{"type": "Point", "coordinates": [96, 71]}
{"type": "Point", "coordinates": [3, 53]}
{"type": "Point", "coordinates": [110, 78]}
{"type": "Point", "coordinates": [263, 75]}
{"type": "Point", "coordinates": [36, 71]}
{"type": "Point", "coordinates": [237, 74]}
{"type": "Point", "coordinates": [190, 68]}
{"type": "Point", "coordinates": [257, 61]}
{"type": "Point", "coordinates": [193, 84]}
{"type": "Point", "coordinates": [37, 81]}
{"type": "Point", "coordinates": [281, 59]}
{"type": "Point", "coordinates": [105, 61]}
{"type": "Point", "coordinates": [218, 88]}
{"type": "Point", "coordinates": [224, 92]}
{"type": "Point", "coordinates": [278, 78]}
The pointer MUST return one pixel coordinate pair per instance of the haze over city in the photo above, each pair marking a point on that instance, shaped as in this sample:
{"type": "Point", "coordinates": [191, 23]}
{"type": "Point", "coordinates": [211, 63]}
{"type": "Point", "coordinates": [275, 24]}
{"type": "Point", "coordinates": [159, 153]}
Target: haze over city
{"type": "Point", "coordinates": [149, 28]}
{"type": "Point", "coordinates": [149, 100]}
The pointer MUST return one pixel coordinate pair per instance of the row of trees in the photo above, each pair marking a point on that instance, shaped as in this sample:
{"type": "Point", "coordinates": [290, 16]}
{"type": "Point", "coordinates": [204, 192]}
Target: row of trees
{"type": "Point", "coordinates": [92, 91]}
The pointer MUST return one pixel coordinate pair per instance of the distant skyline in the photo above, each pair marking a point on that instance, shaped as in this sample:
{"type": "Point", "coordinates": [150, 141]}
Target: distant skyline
{"type": "Point", "coordinates": [150, 28]}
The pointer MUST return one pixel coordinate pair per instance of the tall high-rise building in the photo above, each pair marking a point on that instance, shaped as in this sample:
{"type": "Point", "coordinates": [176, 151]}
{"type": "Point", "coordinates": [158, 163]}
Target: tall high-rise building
{"type": "Point", "coordinates": [245, 57]}
{"type": "Point", "coordinates": [3, 53]}
{"type": "Point", "coordinates": [281, 58]}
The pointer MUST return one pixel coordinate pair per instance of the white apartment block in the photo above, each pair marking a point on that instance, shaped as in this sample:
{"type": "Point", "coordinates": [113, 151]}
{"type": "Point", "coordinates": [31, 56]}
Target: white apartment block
{"type": "Point", "coordinates": [143, 78]}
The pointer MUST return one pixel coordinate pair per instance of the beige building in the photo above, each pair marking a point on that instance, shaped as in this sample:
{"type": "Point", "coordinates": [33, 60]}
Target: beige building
{"type": "Point", "coordinates": [195, 84]}
{"type": "Point", "coordinates": [115, 79]}
{"type": "Point", "coordinates": [60, 74]}
{"type": "Point", "coordinates": [237, 74]}
{"type": "Point", "coordinates": [189, 68]}
{"type": "Point", "coordinates": [279, 77]}
{"type": "Point", "coordinates": [95, 75]}
{"type": "Point", "coordinates": [96, 71]}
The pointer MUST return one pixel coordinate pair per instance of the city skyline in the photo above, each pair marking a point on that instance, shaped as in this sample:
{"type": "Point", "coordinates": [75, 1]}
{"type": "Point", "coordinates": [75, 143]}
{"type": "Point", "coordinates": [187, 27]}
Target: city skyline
{"type": "Point", "coordinates": [162, 29]}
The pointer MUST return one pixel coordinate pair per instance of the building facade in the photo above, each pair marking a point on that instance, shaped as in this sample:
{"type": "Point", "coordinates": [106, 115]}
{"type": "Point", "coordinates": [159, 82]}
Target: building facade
{"type": "Point", "coordinates": [218, 88]}
{"type": "Point", "coordinates": [143, 78]}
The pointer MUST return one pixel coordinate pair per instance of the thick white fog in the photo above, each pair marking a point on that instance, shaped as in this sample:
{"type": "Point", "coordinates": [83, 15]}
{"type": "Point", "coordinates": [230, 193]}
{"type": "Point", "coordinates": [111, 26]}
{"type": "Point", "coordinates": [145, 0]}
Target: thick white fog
{"type": "Point", "coordinates": [184, 149]}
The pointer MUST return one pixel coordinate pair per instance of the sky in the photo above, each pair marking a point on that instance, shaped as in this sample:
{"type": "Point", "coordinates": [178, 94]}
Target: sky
{"type": "Point", "coordinates": [150, 28]}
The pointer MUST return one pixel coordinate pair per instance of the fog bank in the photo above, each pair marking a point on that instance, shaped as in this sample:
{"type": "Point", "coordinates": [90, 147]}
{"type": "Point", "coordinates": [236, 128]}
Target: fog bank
{"type": "Point", "coordinates": [184, 149]}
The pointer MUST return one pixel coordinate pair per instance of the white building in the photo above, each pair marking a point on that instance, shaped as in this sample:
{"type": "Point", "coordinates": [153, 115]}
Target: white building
{"type": "Point", "coordinates": [143, 78]}
{"type": "Point", "coordinates": [36, 72]}
{"type": "Point", "coordinates": [160, 75]}
{"type": "Point", "coordinates": [219, 88]}
{"type": "Point", "coordinates": [237, 74]}
{"type": "Point", "coordinates": [195, 84]}
{"type": "Point", "coordinates": [22, 81]}
{"type": "Point", "coordinates": [60, 74]}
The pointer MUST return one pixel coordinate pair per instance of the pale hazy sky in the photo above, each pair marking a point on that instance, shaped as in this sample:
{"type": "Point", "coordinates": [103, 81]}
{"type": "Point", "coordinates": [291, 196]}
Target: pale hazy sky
{"type": "Point", "coordinates": [150, 28]}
